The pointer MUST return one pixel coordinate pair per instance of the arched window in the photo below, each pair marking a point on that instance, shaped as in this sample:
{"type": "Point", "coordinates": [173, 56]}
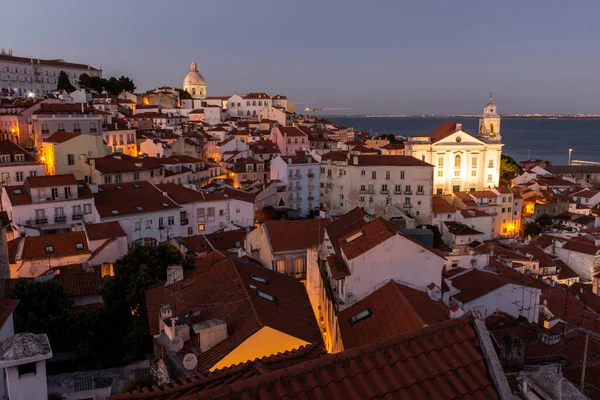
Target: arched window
{"type": "Point", "coordinates": [254, 113]}
{"type": "Point", "coordinates": [248, 113]}
{"type": "Point", "coordinates": [457, 161]}
{"type": "Point", "coordinates": [491, 129]}
{"type": "Point", "coordinates": [193, 92]}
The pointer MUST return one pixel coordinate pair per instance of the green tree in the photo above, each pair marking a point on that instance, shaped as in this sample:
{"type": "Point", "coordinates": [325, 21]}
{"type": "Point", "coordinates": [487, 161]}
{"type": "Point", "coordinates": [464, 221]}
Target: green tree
{"type": "Point", "coordinates": [532, 229]}
{"type": "Point", "coordinates": [126, 84]}
{"type": "Point", "coordinates": [509, 169]}
{"type": "Point", "coordinates": [124, 295]}
{"type": "Point", "coordinates": [85, 82]}
{"type": "Point", "coordinates": [438, 242]}
{"type": "Point", "coordinates": [544, 220]}
{"type": "Point", "coordinates": [64, 83]}
{"type": "Point", "coordinates": [43, 308]}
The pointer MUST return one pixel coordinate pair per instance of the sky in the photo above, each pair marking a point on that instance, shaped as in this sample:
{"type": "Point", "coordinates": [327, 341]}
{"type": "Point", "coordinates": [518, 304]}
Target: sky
{"type": "Point", "coordinates": [384, 57]}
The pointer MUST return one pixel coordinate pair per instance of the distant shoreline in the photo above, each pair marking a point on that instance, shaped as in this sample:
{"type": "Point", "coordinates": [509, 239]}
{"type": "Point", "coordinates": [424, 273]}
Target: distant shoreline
{"type": "Point", "coordinates": [532, 116]}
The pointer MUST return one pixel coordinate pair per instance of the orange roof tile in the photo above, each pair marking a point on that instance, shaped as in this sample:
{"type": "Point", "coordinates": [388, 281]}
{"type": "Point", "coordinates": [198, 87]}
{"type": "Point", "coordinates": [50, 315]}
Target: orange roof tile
{"type": "Point", "coordinates": [61, 137]}
{"type": "Point", "coordinates": [131, 198]}
{"type": "Point", "coordinates": [50, 180]}
{"type": "Point", "coordinates": [104, 230]}
{"type": "Point", "coordinates": [295, 235]}
{"type": "Point", "coordinates": [394, 309]}
{"type": "Point", "coordinates": [441, 206]}
{"type": "Point", "coordinates": [371, 234]}
{"type": "Point", "coordinates": [63, 245]}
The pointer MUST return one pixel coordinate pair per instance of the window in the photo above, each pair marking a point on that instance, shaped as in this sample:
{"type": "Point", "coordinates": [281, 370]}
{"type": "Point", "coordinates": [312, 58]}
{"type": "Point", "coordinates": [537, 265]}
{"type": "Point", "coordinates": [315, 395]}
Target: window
{"type": "Point", "coordinates": [373, 174]}
{"type": "Point", "coordinates": [364, 314]}
{"type": "Point", "coordinates": [59, 212]}
{"type": "Point", "coordinates": [457, 172]}
{"type": "Point", "coordinates": [210, 214]}
{"type": "Point", "coordinates": [49, 249]}
{"type": "Point", "coordinates": [491, 164]}
{"type": "Point", "coordinates": [280, 265]}
{"type": "Point", "coordinates": [25, 369]}
{"type": "Point", "coordinates": [299, 265]}
{"type": "Point", "coordinates": [401, 174]}
{"type": "Point", "coordinates": [5, 177]}
{"type": "Point", "coordinates": [440, 162]}
{"type": "Point", "coordinates": [114, 212]}
{"type": "Point", "coordinates": [19, 176]}
{"type": "Point", "coordinates": [118, 178]}
{"type": "Point", "coordinates": [201, 227]}
{"type": "Point", "coordinates": [148, 224]}
{"type": "Point", "coordinates": [32, 173]}
{"type": "Point", "coordinates": [489, 178]}
{"type": "Point", "coordinates": [398, 188]}
{"type": "Point", "coordinates": [387, 174]}
{"type": "Point", "coordinates": [170, 220]}
{"type": "Point", "coordinates": [83, 383]}
{"type": "Point", "coordinates": [138, 225]}
{"type": "Point", "coordinates": [473, 163]}
{"type": "Point", "coordinates": [407, 189]}
{"type": "Point", "coordinates": [440, 173]}
{"type": "Point", "coordinates": [420, 189]}
{"type": "Point", "coordinates": [407, 201]}
{"type": "Point", "coordinates": [79, 246]}
{"type": "Point", "coordinates": [201, 215]}
{"type": "Point", "coordinates": [190, 231]}
{"type": "Point", "coordinates": [473, 173]}
{"type": "Point", "coordinates": [363, 172]}
{"type": "Point", "coordinates": [457, 161]}
{"type": "Point", "coordinates": [509, 209]}
{"type": "Point", "coordinates": [107, 179]}
{"type": "Point", "coordinates": [384, 189]}
{"type": "Point", "coordinates": [87, 208]}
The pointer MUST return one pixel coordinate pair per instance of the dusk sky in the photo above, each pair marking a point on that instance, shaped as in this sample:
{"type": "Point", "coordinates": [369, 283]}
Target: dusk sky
{"type": "Point", "coordinates": [371, 57]}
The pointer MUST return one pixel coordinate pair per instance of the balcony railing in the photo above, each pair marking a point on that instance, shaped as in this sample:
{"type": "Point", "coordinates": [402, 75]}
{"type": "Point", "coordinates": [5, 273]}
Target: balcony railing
{"type": "Point", "coordinates": [363, 191]}
{"type": "Point", "coordinates": [407, 206]}
{"type": "Point", "coordinates": [371, 191]}
{"type": "Point", "coordinates": [311, 174]}
{"type": "Point", "coordinates": [420, 192]}
{"type": "Point", "coordinates": [41, 221]}
{"type": "Point", "coordinates": [408, 192]}
{"type": "Point", "coordinates": [184, 221]}
{"type": "Point", "coordinates": [60, 218]}
{"type": "Point", "coordinates": [77, 130]}
{"type": "Point", "coordinates": [77, 216]}
{"type": "Point", "coordinates": [384, 192]}
{"type": "Point", "coordinates": [45, 132]}
{"type": "Point", "coordinates": [311, 198]}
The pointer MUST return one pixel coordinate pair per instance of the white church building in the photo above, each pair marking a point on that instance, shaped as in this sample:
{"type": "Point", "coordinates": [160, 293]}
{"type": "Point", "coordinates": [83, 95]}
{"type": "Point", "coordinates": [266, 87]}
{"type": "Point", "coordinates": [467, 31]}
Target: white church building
{"type": "Point", "coordinates": [462, 161]}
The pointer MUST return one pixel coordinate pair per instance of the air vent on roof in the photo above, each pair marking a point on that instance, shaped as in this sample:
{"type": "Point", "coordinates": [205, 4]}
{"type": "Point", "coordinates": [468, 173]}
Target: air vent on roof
{"type": "Point", "coordinates": [355, 236]}
{"type": "Point", "coordinates": [364, 314]}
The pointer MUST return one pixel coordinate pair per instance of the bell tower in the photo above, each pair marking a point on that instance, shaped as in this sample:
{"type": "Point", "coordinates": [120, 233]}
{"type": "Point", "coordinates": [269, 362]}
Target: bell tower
{"type": "Point", "coordinates": [489, 122]}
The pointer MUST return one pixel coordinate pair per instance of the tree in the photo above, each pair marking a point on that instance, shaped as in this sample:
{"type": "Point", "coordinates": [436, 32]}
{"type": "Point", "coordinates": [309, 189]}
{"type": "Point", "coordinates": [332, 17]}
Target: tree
{"type": "Point", "coordinates": [43, 308]}
{"type": "Point", "coordinates": [126, 84]}
{"type": "Point", "coordinates": [544, 220]}
{"type": "Point", "coordinates": [183, 94]}
{"type": "Point", "coordinates": [509, 169]}
{"type": "Point", "coordinates": [438, 242]}
{"type": "Point", "coordinates": [124, 296]}
{"type": "Point", "coordinates": [532, 229]}
{"type": "Point", "coordinates": [85, 82]}
{"type": "Point", "coordinates": [64, 83]}
{"type": "Point", "coordinates": [112, 85]}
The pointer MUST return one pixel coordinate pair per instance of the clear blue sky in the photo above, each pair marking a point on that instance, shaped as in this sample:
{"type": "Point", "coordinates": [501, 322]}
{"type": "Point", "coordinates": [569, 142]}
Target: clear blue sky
{"type": "Point", "coordinates": [371, 56]}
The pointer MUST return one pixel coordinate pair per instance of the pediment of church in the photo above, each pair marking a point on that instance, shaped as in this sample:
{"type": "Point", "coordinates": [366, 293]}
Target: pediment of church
{"type": "Point", "coordinates": [459, 138]}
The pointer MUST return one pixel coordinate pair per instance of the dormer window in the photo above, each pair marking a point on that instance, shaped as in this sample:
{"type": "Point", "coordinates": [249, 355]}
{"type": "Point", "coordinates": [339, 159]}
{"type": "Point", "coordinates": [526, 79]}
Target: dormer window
{"type": "Point", "coordinates": [5, 159]}
{"type": "Point", "coordinates": [265, 296]}
{"type": "Point", "coordinates": [259, 279]}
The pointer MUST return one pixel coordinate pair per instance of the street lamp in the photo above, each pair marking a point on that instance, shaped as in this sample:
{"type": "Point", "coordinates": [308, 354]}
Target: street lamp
{"type": "Point", "coordinates": [570, 151]}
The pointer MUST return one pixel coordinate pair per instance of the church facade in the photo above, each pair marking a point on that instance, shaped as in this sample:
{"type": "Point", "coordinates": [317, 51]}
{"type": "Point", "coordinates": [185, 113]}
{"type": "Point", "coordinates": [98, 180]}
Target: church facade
{"type": "Point", "coordinates": [462, 161]}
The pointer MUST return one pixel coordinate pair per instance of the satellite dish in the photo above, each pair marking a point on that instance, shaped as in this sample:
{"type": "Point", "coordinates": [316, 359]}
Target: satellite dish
{"type": "Point", "coordinates": [176, 344]}
{"type": "Point", "coordinates": [190, 361]}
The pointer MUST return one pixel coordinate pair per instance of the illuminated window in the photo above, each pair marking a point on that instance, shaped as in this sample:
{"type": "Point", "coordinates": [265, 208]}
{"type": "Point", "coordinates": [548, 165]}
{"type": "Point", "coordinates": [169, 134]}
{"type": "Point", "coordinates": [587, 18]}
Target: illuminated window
{"type": "Point", "coordinates": [457, 161]}
{"type": "Point", "coordinates": [440, 173]}
{"type": "Point", "coordinates": [200, 227]}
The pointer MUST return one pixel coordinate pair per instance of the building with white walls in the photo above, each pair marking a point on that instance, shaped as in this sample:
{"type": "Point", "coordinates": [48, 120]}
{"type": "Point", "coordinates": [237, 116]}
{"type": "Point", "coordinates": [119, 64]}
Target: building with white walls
{"type": "Point", "coordinates": [16, 164]}
{"type": "Point", "coordinates": [48, 204]}
{"type": "Point", "coordinates": [145, 213]}
{"type": "Point", "coordinates": [462, 161]}
{"type": "Point", "coordinates": [28, 75]}
{"type": "Point", "coordinates": [301, 175]}
{"type": "Point", "coordinates": [374, 182]}
{"type": "Point", "coordinates": [15, 118]}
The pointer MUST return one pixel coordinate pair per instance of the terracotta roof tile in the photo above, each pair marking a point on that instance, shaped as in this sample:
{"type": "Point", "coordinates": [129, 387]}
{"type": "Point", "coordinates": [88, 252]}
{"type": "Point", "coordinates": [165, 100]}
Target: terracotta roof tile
{"type": "Point", "coordinates": [460, 229]}
{"type": "Point", "coordinates": [291, 131]}
{"type": "Point", "coordinates": [104, 230]}
{"type": "Point", "coordinates": [581, 247]}
{"type": "Point", "coordinates": [131, 198]}
{"type": "Point", "coordinates": [366, 238]}
{"type": "Point", "coordinates": [476, 283]}
{"type": "Point", "coordinates": [337, 266]}
{"type": "Point", "coordinates": [394, 309]}
{"type": "Point", "coordinates": [295, 235]}
{"type": "Point", "coordinates": [182, 195]}
{"type": "Point", "coordinates": [349, 222]}
{"type": "Point", "coordinates": [408, 161]}
{"type": "Point", "coordinates": [441, 206]}
{"type": "Point", "coordinates": [50, 180]}
{"type": "Point", "coordinates": [7, 306]}
{"type": "Point", "coordinates": [63, 245]}
{"type": "Point", "coordinates": [61, 137]}
{"type": "Point", "coordinates": [442, 131]}
{"type": "Point", "coordinates": [235, 301]}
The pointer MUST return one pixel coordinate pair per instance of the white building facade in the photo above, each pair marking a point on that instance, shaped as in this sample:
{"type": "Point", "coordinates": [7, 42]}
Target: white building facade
{"type": "Point", "coordinates": [302, 178]}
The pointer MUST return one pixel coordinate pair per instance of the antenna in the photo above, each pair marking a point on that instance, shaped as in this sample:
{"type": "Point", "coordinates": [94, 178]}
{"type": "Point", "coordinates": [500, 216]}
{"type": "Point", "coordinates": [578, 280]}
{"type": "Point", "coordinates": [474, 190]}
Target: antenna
{"type": "Point", "coordinates": [190, 361]}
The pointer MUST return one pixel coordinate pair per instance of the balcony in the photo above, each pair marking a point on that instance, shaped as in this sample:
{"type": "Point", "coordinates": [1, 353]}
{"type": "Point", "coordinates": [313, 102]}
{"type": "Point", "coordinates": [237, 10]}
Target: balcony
{"type": "Point", "coordinates": [77, 217]}
{"type": "Point", "coordinates": [371, 191]}
{"type": "Point", "coordinates": [297, 275]}
{"type": "Point", "coordinates": [407, 206]}
{"type": "Point", "coordinates": [408, 192]}
{"type": "Point", "coordinates": [41, 221]}
{"type": "Point", "coordinates": [420, 192]}
{"type": "Point", "coordinates": [384, 192]}
{"type": "Point", "coordinates": [310, 198]}
{"type": "Point", "coordinates": [60, 218]}
{"type": "Point", "coordinates": [45, 132]}
{"type": "Point", "coordinates": [77, 130]}
{"type": "Point", "coordinates": [184, 221]}
{"type": "Point", "coordinates": [363, 191]}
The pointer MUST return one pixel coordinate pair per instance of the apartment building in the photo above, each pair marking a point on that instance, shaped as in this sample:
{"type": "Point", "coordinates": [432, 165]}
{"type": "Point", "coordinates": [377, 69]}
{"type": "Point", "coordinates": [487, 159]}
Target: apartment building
{"type": "Point", "coordinates": [300, 173]}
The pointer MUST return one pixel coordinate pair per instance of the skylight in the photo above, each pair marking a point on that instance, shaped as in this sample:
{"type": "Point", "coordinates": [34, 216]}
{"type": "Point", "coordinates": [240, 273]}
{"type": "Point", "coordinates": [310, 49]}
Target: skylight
{"type": "Point", "coordinates": [79, 246]}
{"type": "Point", "coordinates": [164, 204]}
{"type": "Point", "coordinates": [80, 186]}
{"type": "Point", "coordinates": [115, 212]}
{"type": "Point", "coordinates": [119, 187]}
{"type": "Point", "coordinates": [49, 249]}
{"type": "Point", "coordinates": [259, 279]}
{"type": "Point", "coordinates": [135, 185]}
{"type": "Point", "coordinates": [354, 237]}
{"type": "Point", "coordinates": [139, 208]}
{"type": "Point", "coordinates": [364, 314]}
{"type": "Point", "coordinates": [100, 189]}
{"type": "Point", "coordinates": [265, 296]}
{"type": "Point", "coordinates": [17, 191]}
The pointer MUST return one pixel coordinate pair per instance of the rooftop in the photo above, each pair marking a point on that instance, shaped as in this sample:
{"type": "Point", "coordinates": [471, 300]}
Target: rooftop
{"type": "Point", "coordinates": [295, 235]}
{"type": "Point", "coordinates": [131, 198]}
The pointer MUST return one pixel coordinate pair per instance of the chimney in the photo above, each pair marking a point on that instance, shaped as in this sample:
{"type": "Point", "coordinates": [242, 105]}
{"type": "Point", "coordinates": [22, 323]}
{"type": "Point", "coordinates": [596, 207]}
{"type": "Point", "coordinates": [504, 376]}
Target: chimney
{"type": "Point", "coordinates": [165, 311]}
{"type": "Point", "coordinates": [174, 274]}
{"type": "Point", "coordinates": [210, 333]}
{"type": "Point", "coordinates": [434, 291]}
{"type": "Point", "coordinates": [456, 312]}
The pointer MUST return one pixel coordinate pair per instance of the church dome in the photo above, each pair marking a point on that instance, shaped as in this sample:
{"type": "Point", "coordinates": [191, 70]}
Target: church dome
{"type": "Point", "coordinates": [194, 77]}
{"type": "Point", "coordinates": [490, 107]}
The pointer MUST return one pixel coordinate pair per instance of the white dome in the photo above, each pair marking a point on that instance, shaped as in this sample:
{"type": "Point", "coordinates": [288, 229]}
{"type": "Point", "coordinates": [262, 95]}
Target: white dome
{"type": "Point", "coordinates": [194, 77]}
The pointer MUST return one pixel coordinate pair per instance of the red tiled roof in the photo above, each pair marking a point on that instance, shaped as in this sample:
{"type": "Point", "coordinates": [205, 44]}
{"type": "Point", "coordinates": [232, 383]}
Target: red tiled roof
{"type": "Point", "coordinates": [337, 266]}
{"type": "Point", "coordinates": [474, 213]}
{"type": "Point", "coordinates": [581, 247]}
{"type": "Point", "coordinates": [182, 195]}
{"type": "Point", "coordinates": [295, 235]}
{"type": "Point", "coordinates": [50, 180]}
{"type": "Point", "coordinates": [586, 193]}
{"type": "Point", "coordinates": [78, 282]}
{"type": "Point", "coordinates": [335, 156]}
{"type": "Point", "coordinates": [565, 271]}
{"type": "Point", "coordinates": [393, 146]}
{"type": "Point", "coordinates": [104, 230]}
{"type": "Point", "coordinates": [543, 241]}
{"type": "Point", "coordinates": [460, 229]}
{"type": "Point", "coordinates": [291, 131]}
{"type": "Point", "coordinates": [349, 222]}
{"type": "Point", "coordinates": [8, 147]}
{"type": "Point", "coordinates": [483, 194]}
{"type": "Point", "coordinates": [57, 108]}
{"type": "Point", "coordinates": [61, 137]}
{"type": "Point", "coordinates": [223, 290]}
{"type": "Point", "coordinates": [372, 234]}
{"type": "Point", "coordinates": [408, 161]}
{"type": "Point", "coordinates": [399, 367]}
{"type": "Point", "coordinates": [441, 206]}
{"type": "Point", "coordinates": [395, 309]}
{"type": "Point", "coordinates": [64, 244]}
{"type": "Point", "coordinates": [126, 198]}
{"type": "Point", "coordinates": [239, 194]}
{"type": "Point", "coordinates": [209, 259]}
{"type": "Point", "coordinates": [442, 131]}
{"type": "Point", "coordinates": [476, 283]}
{"type": "Point", "coordinates": [7, 306]}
